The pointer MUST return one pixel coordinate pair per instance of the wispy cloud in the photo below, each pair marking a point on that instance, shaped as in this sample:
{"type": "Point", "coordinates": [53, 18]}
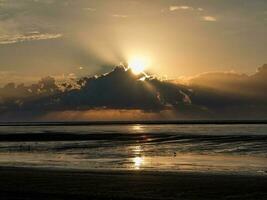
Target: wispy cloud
{"type": "Point", "coordinates": [209, 18]}
{"type": "Point", "coordinates": [184, 7]}
{"type": "Point", "coordinates": [119, 16]}
{"type": "Point", "coordinates": [31, 36]}
{"type": "Point", "coordinates": [89, 9]}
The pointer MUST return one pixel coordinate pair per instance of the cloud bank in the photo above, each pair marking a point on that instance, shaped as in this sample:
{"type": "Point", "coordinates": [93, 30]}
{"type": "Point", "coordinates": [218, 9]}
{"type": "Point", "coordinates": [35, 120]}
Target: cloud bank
{"type": "Point", "coordinates": [217, 95]}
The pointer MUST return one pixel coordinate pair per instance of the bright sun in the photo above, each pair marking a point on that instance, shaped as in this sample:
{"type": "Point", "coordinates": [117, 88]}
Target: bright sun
{"type": "Point", "coordinates": [138, 64]}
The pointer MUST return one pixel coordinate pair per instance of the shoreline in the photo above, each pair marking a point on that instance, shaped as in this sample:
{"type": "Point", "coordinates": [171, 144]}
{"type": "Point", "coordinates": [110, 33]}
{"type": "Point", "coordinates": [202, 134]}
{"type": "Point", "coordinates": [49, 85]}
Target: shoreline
{"type": "Point", "coordinates": [40, 183]}
{"type": "Point", "coordinates": [154, 122]}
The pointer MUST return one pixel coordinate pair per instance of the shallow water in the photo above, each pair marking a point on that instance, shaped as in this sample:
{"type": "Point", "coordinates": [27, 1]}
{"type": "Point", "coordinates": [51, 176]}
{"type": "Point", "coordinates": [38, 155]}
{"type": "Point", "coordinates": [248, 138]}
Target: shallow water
{"type": "Point", "coordinates": [213, 148]}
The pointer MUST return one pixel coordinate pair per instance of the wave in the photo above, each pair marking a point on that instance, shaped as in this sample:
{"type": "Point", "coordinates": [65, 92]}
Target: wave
{"type": "Point", "coordinates": [147, 138]}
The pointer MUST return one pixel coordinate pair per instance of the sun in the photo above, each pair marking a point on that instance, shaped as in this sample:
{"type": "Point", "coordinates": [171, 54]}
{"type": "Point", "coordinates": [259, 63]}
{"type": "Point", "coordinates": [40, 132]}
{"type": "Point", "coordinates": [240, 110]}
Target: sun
{"type": "Point", "coordinates": [138, 64]}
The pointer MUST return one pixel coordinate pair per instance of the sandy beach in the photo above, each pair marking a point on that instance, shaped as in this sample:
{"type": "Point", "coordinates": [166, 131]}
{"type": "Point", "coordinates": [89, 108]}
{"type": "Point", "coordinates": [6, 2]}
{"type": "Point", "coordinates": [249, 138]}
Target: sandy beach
{"type": "Point", "coordinates": [32, 183]}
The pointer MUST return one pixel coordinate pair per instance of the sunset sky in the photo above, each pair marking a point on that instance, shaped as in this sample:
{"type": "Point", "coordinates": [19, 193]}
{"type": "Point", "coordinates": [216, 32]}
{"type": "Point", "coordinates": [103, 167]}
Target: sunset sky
{"type": "Point", "coordinates": [133, 59]}
{"type": "Point", "coordinates": [84, 37]}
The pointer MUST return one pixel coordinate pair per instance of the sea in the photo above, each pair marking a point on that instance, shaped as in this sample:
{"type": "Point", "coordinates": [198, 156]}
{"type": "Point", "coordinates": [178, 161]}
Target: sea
{"type": "Point", "coordinates": [212, 148]}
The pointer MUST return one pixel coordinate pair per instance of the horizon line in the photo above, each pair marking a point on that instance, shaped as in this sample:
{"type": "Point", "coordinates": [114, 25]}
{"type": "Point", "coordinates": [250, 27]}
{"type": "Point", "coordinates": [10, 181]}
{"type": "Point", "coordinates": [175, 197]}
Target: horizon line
{"type": "Point", "coordinates": [134, 122]}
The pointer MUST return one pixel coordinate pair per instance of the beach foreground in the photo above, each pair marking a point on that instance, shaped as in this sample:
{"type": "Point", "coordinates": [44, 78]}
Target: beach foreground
{"type": "Point", "coordinates": [27, 183]}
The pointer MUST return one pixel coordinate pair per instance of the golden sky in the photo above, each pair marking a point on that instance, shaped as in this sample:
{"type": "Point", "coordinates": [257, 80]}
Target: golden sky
{"type": "Point", "coordinates": [179, 37]}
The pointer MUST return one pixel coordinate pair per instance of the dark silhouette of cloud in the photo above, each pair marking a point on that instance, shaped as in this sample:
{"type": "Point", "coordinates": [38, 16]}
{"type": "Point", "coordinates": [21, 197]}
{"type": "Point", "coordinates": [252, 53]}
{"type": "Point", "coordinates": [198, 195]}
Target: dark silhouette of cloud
{"type": "Point", "coordinates": [232, 95]}
{"type": "Point", "coordinates": [240, 84]}
{"type": "Point", "coordinates": [14, 97]}
{"type": "Point", "coordinates": [119, 89]}
{"type": "Point", "coordinates": [210, 95]}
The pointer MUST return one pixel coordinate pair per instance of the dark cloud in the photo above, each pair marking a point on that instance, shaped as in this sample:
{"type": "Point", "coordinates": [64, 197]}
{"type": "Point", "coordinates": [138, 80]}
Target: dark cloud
{"type": "Point", "coordinates": [231, 95]}
{"type": "Point", "coordinates": [210, 95]}
{"type": "Point", "coordinates": [119, 89]}
{"type": "Point", "coordinates": [13, 97]}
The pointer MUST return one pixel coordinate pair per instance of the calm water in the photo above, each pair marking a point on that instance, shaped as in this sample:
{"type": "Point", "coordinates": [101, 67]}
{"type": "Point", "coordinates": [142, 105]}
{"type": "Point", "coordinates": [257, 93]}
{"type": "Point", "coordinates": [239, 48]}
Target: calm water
{"type": "Point", "coordinates": [213, 148]}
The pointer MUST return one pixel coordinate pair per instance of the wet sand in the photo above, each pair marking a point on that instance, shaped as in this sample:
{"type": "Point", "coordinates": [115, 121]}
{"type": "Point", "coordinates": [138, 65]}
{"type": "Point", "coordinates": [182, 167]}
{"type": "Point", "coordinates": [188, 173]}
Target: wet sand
{"type": "Point", "coordinates": [26, 183]}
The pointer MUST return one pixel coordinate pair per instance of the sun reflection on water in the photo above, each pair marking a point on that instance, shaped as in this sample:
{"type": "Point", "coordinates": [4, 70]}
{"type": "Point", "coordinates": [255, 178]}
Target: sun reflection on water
{"type": "Point", "coordinates": [138, 162]}
{"type": "Point", "coordinates": [137, 150]}
{"type": "Point", "coordinates": [138, 158]}
{"type": "Point", "coordinates": [137, 128]}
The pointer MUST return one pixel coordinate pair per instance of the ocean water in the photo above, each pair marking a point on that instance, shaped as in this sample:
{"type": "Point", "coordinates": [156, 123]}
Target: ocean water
{"type": "Point", "coordinates": [201, 148]}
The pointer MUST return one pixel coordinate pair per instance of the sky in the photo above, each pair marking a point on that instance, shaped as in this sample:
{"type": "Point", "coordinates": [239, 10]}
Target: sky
{"type": "Point", "coordinates": [75, 38]}
{"type": "Point", "coordinates": [133, 59]}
